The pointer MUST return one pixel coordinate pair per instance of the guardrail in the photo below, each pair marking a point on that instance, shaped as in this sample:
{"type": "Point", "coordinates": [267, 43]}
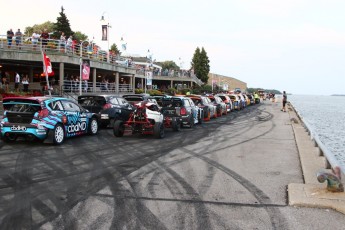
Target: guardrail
{"type": "Point", "coordinates": [332, 162]}
{"type": "Point", "coordinates": [100, 87]}
{"type": "Point", "coordinates": [84, 49]}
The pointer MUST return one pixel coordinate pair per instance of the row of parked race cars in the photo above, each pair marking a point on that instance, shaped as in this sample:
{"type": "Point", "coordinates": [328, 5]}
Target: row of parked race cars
{"type": "Point", "coordinates": [57, 118]}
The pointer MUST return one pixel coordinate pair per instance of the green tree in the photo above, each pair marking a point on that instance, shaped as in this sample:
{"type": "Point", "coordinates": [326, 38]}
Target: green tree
{"type": "Point", "coordinates": [62, 25]}
{"type": "Point", "coordinates": [200, 64]}
{"type": "Point", "coordinates": [114, 48]}
{"type": "Point", "coordinates": [169, 65]}
{"type": "Point", "coordinates": [38, 28]}
{"type": "Point", "coordinates": [79, 36]}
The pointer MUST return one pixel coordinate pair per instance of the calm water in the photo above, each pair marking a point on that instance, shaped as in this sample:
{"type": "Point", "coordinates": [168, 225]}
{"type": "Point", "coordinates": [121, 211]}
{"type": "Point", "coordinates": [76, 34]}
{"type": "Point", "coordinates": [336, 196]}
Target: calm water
{"type": "Point", "coordinates": [326, 117]}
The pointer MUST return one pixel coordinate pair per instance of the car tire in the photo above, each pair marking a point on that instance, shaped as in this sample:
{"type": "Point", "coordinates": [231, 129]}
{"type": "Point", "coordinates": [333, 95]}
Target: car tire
{"type": "Point", "coordinates": [93, 128]}
{"type": "Point", "coordinates": [176, 126]}
{"type": "Point", "coordinates": [158, 130]}
{"type": "Point", "coordinates": [59, 134]}
{"type": "Point", "coordinates": [119, 128]}
{"type": "Point", "coordinates": [9, 139]}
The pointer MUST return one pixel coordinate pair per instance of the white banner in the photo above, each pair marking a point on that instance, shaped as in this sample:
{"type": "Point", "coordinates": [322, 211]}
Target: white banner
{"type": "Point", "coordinates": [148, 77]}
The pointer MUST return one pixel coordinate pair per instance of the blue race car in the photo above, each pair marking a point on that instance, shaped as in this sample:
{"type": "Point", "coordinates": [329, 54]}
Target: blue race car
{"type": "Point", "coordinates": [45, 117]}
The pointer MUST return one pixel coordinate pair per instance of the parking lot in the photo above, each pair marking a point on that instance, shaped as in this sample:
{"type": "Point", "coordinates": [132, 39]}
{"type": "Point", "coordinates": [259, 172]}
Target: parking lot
{"type": "Point", "coordinates": [228, 173]}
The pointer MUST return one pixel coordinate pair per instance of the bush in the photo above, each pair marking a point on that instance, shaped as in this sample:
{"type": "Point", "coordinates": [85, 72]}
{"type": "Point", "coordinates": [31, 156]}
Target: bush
{"type": "Point", "coordinates": [139, 91]}
{"type": "Point", "coordinates": [171, 91]}
{"type": "Point", "coordinates": [154, 92]}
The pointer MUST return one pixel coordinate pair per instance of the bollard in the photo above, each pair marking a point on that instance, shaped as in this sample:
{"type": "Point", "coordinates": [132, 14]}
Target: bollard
{"type": "Point", "coordinates": [333, 182]}
{"type": "Point", "coordinates": [320, 152]}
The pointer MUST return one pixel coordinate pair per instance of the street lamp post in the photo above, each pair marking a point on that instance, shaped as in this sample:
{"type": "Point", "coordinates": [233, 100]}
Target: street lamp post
{"type": "Point", "coordinates": [107, 35]}
{"type": "Point", "coordinates": [81, 66]}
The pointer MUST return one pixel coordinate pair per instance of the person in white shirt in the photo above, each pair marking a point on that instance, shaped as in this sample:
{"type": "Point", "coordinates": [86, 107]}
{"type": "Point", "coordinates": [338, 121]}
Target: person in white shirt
{"type": "Point", "coordinates": [17, 82]}
{"type": "Point", "coordinates": [69, 44]}
{"type": "Point", "coordinates": [34, 39]}
{"type": "Point", "coordinates": [25, 83]}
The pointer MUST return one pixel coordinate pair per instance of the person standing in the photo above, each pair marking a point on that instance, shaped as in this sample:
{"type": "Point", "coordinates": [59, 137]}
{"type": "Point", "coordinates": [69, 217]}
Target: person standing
{"type": "Point", "coordinates": [45, 37]}
{"type": "Point", "coordinates": [25, 83]}
{"type": "Point", "coordinates": [16, 82]}
{"type": "Point", "coordinates": [18, 38]}
{"type": "Point", "coordinates": [284, 101]}
{"type": "Point", "coordinates": [10, 35]}
{"type": "Point", "coordinates": [69, 44]}
{"type": "Point", "coordinates": [34, 38]}
{"type": "Point", "coordinates": [62, 42]}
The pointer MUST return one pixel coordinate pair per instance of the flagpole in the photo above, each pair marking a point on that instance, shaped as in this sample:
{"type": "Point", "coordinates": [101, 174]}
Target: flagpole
{"type": "Point", "coordinates": [46, 73]}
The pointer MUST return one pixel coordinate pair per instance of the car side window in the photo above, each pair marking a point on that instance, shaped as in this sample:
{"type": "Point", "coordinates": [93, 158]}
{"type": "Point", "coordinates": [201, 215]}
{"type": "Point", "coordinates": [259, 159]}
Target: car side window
{"type": "Point", "coordinates": [122, 101]}
{"type": "Point", "coordinates": [56, 105]}
{"type": "Point", "coordinates": [114, 101]}
{"type": "Point", "coordinates": [186, 103]}
{"type": "Point", "coordinates": [191, 102]}
{"type": "Point", "coordinates": [70, 106]}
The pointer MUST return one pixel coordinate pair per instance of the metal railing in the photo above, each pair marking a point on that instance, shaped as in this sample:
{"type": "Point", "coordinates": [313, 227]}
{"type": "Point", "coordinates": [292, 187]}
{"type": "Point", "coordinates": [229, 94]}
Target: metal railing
{"type": "Point", "coordinates": [100, 87]}
{"type": "Point", "coordinates": [26, 44]}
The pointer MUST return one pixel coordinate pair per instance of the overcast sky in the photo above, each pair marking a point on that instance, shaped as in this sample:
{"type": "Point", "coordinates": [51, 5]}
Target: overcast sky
{"type": "Point", "coordinates": [292, 45]}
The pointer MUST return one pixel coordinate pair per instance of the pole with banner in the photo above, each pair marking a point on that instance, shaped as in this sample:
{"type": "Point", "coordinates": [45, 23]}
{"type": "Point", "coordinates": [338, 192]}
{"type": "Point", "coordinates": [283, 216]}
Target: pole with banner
{"type": "Point", "coordinates": [148, 79]}
{"type": "Point", "coordinates": [48, 70]}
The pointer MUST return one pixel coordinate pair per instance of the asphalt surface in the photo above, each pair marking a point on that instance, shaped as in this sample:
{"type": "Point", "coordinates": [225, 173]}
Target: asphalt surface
{"type": "Point", "coordinates": [229, 173]}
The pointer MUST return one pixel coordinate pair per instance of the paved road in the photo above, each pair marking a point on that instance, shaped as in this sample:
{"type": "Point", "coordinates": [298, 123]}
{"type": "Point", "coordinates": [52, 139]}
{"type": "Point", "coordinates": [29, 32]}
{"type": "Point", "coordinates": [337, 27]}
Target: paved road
{"type": "Point", "coordinates": [230, 173]}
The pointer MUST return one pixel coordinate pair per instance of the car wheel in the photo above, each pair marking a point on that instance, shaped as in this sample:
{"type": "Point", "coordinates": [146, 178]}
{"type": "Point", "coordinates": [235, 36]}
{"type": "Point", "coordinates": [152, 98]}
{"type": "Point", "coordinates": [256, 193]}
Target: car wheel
{"type": "Point", "coordinates": [59, 134]}
{"type": "Point", "coordinates": [158, 130]}
{"type": "Point", "coordinates": [10, 138]}
{"type": "Point", "coordinates": [175, 124]}
{"type": "Point", "coordinates": [93, 129]}
{"type": "Point", "coordinates": [119, 128]}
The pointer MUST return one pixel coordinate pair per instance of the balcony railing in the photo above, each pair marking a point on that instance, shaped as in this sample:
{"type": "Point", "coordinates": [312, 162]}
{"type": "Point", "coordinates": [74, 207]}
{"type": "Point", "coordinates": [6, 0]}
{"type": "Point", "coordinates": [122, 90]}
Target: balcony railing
{"type": "Point", "coordinates": [85, 50]}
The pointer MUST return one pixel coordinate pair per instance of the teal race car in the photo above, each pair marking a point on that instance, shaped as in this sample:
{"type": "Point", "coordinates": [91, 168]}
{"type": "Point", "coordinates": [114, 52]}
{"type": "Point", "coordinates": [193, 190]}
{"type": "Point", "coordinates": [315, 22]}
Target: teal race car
{"type": "Point", "coordinates": [41, 118]}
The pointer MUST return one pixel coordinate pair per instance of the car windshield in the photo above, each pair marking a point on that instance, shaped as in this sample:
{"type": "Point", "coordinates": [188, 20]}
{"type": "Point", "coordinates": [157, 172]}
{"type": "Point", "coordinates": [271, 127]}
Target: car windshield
{"type": "Point", "coordinates": [91, 101]}
{"type": "Point", "coordinates": [176, 102]}
{"type": "Point", "coordinates": [29, 108]}
{"type": "Point", "coordinates": [22, 106]}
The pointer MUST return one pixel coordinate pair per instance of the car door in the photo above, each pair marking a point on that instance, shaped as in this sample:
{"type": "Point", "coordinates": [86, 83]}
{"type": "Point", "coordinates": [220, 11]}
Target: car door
{"type": "Point", "coordinates": [77, 121]}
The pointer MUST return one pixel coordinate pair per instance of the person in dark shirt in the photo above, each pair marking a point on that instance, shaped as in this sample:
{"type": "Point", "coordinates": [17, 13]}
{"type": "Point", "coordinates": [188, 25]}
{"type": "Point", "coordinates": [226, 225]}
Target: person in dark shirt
{"type": "Point", "coordinates": [10, 35]}
{"type": "Point", "coordinates": [44, 37]}
{"type": "Point", "coordinates": [284, 101]}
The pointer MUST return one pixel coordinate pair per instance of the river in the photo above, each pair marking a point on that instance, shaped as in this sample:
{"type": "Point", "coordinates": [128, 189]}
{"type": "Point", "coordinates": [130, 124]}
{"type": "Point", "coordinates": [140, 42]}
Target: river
{"type": "Point", "coordinates": [325, 115]}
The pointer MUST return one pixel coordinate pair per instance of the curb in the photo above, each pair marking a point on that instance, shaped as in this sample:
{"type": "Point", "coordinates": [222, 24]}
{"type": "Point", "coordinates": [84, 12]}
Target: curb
{"type": "Point", "coordinates": [311, 193]}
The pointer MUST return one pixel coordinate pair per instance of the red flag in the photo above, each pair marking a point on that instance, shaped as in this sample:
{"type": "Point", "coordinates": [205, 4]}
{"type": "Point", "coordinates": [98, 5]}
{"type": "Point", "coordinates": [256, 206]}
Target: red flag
{"type": "Point", "coordinates": [48, 65]}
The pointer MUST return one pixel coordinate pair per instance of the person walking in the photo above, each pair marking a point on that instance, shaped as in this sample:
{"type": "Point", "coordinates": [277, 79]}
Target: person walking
{"type": "Point", "coordinates": [284, 101]}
